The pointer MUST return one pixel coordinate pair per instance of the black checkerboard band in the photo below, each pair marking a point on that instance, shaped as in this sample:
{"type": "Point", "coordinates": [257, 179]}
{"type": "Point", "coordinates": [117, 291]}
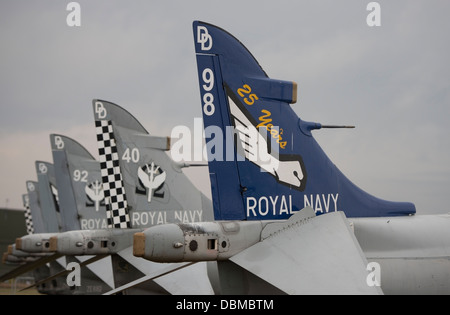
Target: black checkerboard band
{"type": "Point", "coordinates": [116, 203]}
{"type": "Point", "coordinates": [28, 221]}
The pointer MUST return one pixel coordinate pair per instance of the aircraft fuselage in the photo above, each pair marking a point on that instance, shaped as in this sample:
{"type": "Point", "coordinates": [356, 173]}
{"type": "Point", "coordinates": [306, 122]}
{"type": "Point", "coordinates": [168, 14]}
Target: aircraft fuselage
{"type": "Point", "coordinates": [413, 252]}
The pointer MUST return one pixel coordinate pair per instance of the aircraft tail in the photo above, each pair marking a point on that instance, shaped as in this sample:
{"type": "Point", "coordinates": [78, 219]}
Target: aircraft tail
{"type": "Point", "coordinates": [28, 218]}
{"type": "Point", "coordinates": [264, 162]}
{"type": "Point", "coordinates": [35, 206]}
{"type": "Point", "coordinates": [79, 173]}
{"type": "Point", "coordinates": [48, 195]}
{"type": "Point", "coordinates": [157, 191]}
{"type": "Point", "coordinates": [117, 212]}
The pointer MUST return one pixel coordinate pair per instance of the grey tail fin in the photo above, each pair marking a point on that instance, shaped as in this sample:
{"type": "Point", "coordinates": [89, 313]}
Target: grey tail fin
{"type": "Point", "coordinates": [28, 218]}
{"type": "Point", "coordinates": [117, 212]}
{"type": "Point", "coordinates": [79, 171]}
{"type": "Point", "coordinates": [35, 206]}
{"type": "Point", "coordinates": [157, 190]}
{"type": "Point", "coordinates": [48, 195]}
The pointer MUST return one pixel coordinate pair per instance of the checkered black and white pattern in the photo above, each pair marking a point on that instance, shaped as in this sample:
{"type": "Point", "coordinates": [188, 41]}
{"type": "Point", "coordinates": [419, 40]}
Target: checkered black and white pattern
{"type": "Point", "coordinates": [116, 203]}
{"type": "Point", "coordinates": [28, 219]}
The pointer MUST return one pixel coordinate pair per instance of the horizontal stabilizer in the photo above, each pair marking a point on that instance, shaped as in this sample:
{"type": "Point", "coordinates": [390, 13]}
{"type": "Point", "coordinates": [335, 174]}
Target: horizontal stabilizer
{"type": "Point", "coordinates": [276, 90]}
{"type": "Point", "coordinates": [150, 277]}
{"type": "Point", "coordinates": [153, 142]}
{"type": "Point", "coordinates": [64, 272]}
{"type": "Point", "coordinates": [195, 275]}
{"type": "Point", "coordinates": [319, 255]}
{"type": "Point", "coordinates": [101, 266]}
{"type": "Point", "coordinates": [29, 267]}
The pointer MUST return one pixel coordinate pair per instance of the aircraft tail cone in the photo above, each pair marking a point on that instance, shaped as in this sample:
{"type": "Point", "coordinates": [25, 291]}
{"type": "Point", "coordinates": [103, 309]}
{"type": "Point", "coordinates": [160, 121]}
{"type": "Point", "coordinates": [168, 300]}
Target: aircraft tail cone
{"type": "Point", "coordinates": [53, 244]}
{"type": "Point", "coordinates": [19, 243]}
{"type": "Point", "coordinates": [139, 244]}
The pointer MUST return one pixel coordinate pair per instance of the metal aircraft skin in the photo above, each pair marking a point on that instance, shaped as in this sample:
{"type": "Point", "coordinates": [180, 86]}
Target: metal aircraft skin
{"type": "Point", "coordinates": [83, 175]}
{"type": "Point", "coordinates": [173, 199]}
{"type": "Point", "coordinates": [54, 174]}
{"type": "Point", "coordinates": [145, 187]}
{"type": "Point", "coordinates": [290, 218]}
{"type": "Point", "coordinates": [41, 271]}
{"type": "Point", "coordinates": [282, 210]}
{"type": "Point", "coordinates": [78, 178]}
{"type": "Point", "coordinates": [36, 200]}
{"type": "Point", "coordinates": [75, 169]}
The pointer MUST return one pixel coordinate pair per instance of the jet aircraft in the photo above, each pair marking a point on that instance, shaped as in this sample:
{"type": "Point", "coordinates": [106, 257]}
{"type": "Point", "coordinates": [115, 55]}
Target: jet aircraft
{"type": "Point", "coordinates": [283, 219]}
{"type": "Point", "coordinates": [284, 212]}
{"type": "Point", "coordinates": [159, 193]}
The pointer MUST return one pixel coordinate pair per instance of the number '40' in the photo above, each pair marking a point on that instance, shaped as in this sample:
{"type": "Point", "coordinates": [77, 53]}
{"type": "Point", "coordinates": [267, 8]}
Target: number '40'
{"type": "Point", "coordinates": [132, 155]}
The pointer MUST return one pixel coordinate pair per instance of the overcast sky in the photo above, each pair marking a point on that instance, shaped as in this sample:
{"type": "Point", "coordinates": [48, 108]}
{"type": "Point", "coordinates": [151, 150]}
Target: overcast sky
{"type": "Point", "coordinates": [391, 81]}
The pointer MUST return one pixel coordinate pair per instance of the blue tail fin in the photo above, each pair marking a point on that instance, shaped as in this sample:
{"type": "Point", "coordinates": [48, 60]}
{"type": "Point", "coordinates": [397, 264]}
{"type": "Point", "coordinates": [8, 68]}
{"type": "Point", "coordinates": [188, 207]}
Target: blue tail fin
{"type": "Point", "coordinates": [269, 165]}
